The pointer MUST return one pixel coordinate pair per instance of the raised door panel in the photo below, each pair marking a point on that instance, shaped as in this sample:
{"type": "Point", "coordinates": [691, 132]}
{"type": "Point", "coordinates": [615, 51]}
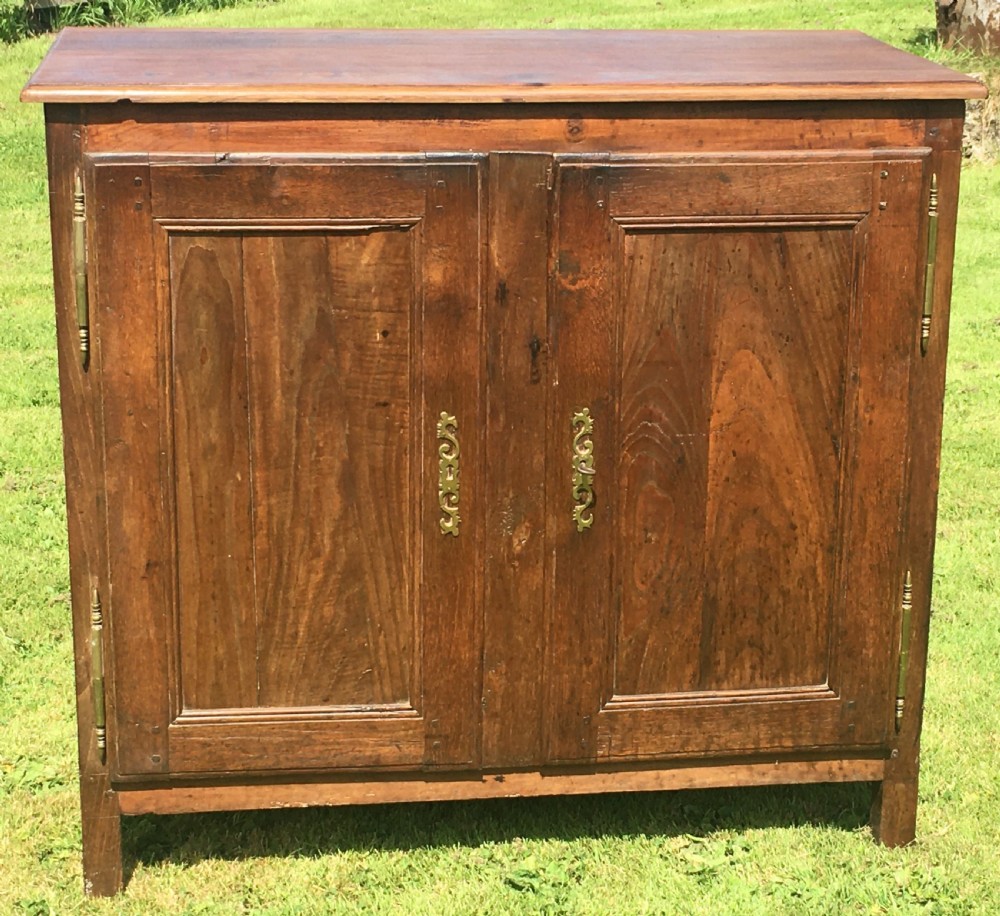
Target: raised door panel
{"type": "Point", "coordinates": [314, 322]}
{"type": "Point", "coordinates": [309, 405]}
{"type": "Point", "coordinates": [739, 334]}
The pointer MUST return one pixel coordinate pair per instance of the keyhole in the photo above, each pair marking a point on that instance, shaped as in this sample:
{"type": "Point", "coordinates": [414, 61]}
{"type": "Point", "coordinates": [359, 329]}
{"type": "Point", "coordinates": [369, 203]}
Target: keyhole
{"type": "Point", "coordinates": [535, 346]}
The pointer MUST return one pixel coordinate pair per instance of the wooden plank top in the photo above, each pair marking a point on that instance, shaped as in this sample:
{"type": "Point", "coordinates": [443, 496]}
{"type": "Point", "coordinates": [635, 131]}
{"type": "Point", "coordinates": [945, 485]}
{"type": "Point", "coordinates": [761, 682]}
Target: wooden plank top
{"type": "Point", "coordinates": [327, 66]}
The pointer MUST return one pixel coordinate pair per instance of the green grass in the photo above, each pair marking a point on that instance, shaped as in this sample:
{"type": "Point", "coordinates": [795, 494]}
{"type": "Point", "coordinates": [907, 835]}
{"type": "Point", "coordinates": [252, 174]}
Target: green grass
{"type": "Point", "coordinates": [19, 20]}
{"type": "Point", "coordinates": [795, 850]}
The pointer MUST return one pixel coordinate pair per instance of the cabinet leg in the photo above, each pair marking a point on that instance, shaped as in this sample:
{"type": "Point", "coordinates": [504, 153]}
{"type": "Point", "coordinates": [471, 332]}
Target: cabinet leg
{"type": "Point", "coordinates": [102, 837]}
{"type": "Point", "coordinates": [894, 812]}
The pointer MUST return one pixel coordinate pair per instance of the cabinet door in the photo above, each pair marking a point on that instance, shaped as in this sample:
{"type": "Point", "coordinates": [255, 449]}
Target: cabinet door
{"type": "Point", "coordinates": [289, 354]}
{"type": "Point", "coordinates": [734, 340]}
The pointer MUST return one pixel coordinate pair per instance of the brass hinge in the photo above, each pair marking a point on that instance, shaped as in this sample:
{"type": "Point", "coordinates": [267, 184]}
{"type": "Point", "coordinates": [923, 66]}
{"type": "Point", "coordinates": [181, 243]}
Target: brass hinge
{"type": "Point", "coordinates": [549, 176]}
{"type": "Point", "coordinates": [80, 268]}
{"type": "Point", "coordinates": [97, 673]}
{"type": "Point", "coordinates": [932, 234]}
{"type": "Point", "coordinates": [904, 648]}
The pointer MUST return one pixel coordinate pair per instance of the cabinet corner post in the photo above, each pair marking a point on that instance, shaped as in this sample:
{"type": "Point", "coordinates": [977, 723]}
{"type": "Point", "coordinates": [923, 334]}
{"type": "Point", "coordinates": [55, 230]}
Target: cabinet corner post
{"type": "Point", "coordinates": [103, 875]}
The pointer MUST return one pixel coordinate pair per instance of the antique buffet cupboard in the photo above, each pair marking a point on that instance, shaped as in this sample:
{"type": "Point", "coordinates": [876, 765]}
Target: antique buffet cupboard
{"type": "Point", "coordinates": [471, 414]}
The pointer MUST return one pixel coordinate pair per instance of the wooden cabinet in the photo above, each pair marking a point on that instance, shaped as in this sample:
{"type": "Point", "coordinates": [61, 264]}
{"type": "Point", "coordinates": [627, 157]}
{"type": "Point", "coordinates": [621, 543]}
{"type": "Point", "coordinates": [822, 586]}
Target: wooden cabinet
{"type": "Point", "coordinates": [495, 413]}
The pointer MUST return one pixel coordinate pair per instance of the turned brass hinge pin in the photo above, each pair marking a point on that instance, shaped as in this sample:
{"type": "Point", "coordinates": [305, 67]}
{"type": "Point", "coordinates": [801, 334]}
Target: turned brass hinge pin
{"type": "Point", "coordinates": [80, 268]}
{"type": "Point", "coordinates": [932, 235]}
{"type": "Point", "coordinates": [97, 673]}
{"type": "Point", "coordinates": [904, 648]}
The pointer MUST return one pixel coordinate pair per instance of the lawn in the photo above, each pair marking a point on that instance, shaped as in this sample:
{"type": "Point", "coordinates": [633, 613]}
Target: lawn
{"type": "Point", "coordinates": [792, 850]}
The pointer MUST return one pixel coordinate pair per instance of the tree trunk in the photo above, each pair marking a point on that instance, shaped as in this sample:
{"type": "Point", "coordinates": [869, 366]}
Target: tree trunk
{"type": "Point", "coordinates": [972, 24]}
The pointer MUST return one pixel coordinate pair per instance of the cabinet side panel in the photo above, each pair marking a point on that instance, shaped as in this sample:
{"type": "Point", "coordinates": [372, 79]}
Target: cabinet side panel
{"type": "Point", "coordinates": [329, 331]}
{"type": "Point", "coordinates": [894, 812]}
{"type": "Point", "coordinates": [81, 419]}
{"type": "Point", "coordinates": [132, 373]}
{"type": "Point", "coordinates": [925, 456]}
{"type": "Point", "coordinates": [211, 447]}
{"type": "Point", "coordinates": [516, 354]}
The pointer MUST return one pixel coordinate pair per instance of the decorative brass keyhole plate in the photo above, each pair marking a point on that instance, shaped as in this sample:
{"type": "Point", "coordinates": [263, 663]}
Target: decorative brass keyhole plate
{"type": "Point", "coordinates": [583, 469]}
{"type": "Point", "coordinates": [447, 432]}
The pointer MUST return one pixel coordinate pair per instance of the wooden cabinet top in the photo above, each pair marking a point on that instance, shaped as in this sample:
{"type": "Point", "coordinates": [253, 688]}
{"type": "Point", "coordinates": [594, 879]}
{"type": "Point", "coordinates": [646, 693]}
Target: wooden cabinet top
{"type": "Point", "coordinates": [327, 66]}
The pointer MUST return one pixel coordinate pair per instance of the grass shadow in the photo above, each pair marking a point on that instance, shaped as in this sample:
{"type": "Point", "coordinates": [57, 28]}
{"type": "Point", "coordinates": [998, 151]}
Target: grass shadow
{"type": "Point", "coordinates": [151, 840]}
{"type": "Point", "coordinates": [921, 41]}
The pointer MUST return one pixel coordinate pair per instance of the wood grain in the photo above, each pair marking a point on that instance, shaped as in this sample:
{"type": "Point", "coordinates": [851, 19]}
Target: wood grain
{"type": "Point", "coordinates": [387, 789]}
{"type": "Point", "coordinates": [517, 385]}
{"type": "Point", "coordinates": [662, 471]}
{"type": "Point", "coordinates": [451, 354]}
{"type": "Point", "coordinates": [583, 342]}
{"type": "Point", "coordinates": [693, 128]}
{"type": "Point", "coordinates": [738, 424]}
{"type": "Point", "coordinates": [872, 575]}
{"type": "Point", "coordinates": [790, 485]}
{"type": "Point", "coordinates": [729, 468]}
{"type": "Point", "coordinates": [81, 406]}
{"type": "Point", "coordinates": [297, 401]}
{"type": "Point", "coordinates": [399, 65]}
{"type": "Point", "coordinates": [733, 187]}
{"type": "Point", "coordinates": [330, 376]}
{"type": "Point", "coordinates": [288, 192]}
{"type": "Point", "coordinates": [133, 371]}
{"type": "Point", "coordinates": [894, 811]}
{"type": "Point", "coordinates": [341, 742]}
{"type": "Point", "coordinates": [211, 410]}
{"type": "Point", "coordinates": [720, 725]}
{"type": "Point", "coordinates": [102, 836]}
{"type": "Point", "coordinates": [331, 380]}
{"type": "Point", "coordinates": [778, 378]}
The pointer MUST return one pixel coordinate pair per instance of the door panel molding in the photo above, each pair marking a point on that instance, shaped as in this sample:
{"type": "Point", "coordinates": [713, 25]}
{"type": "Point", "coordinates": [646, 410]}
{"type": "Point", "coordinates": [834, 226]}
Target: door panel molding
{"type": "Point", "coordinates": [427, 207]}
